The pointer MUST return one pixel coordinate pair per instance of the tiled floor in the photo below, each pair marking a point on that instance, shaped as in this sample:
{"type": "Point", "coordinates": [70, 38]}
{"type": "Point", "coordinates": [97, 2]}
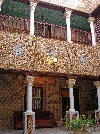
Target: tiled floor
{"type": "Point", "coordinates": [55, 130]}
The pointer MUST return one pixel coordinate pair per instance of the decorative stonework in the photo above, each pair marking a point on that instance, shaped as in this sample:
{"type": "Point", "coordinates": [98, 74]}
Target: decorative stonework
{"type": "Point", "coordinates": [70, 83]}
{"type": "Point", "coordinates": [33, 5]}
{"type": "Point", "coordinates": [36, 50]}
{"type": "Point", "coordinates": [1, 1]}
{"type": "Point", "coordinates": [67, 13]}
{"type": "Point", "coordinates": [30, 124]}
{"type": "Point", "coordinates": [30, 80]}
{"type": "Point", "coordinates": [91, 19]}
{"type": "Point", "coordinates": [97, 84]}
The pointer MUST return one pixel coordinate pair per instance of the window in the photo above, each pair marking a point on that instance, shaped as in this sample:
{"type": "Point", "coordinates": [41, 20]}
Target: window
{"type": "Point", "coordinates": [37, 98]}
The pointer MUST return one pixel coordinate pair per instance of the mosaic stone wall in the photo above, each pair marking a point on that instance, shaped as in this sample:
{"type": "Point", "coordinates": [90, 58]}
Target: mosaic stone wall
{"type": "Point", "coordinates": [52, 94]}
{"type": "Point", "coordinates": [35, 55]}
{"type": "Point", "coordinates": [12, 88]}
{"type": "Point", "coordinates": [11, 98]}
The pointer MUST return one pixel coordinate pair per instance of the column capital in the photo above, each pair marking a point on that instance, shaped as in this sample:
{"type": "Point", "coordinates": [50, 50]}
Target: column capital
{"type": "Point", "coordinates": [33, 4]}
{"type": "Point", "coordinates": [70, 83]}
{"type": "Point", "coordinates": [30, 80]}
{"type": "Point", "coordinates": [91, 19]}
{"type": "Point", "coordinates": [97, 84]}
{"type": "Point", "coordinates": [1, 1]}
{"type": "Point", "coordinates": [67, 13]}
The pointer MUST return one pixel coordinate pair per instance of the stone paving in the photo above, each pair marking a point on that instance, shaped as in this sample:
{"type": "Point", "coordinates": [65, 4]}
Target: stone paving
{"type": "Point", "coordinates": [55, 130]}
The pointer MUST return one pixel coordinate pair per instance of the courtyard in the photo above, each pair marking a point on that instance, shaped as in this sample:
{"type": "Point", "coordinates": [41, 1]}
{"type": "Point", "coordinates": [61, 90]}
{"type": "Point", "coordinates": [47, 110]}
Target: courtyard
{"type": "Point", "coordinates": [55, 130]}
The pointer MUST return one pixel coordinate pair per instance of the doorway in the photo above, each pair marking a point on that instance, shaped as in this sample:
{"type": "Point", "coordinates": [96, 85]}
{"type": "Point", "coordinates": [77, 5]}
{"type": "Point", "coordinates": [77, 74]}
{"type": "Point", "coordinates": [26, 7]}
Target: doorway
{"type": "Point", "coordinates": [66, 100]}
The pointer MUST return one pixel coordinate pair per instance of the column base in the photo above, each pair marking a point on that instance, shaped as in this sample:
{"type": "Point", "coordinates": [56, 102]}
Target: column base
{"type": "Point", "coordinates": [72, 115]}
{"type": "Point", "coordinates": [29, 122]}
{"type": "Point", "coordinates": [97, 117]}
{"type": "Point", "coordinates": [70, 42]}
{"type": "Point", "coordinates": [29, 111]}
{"type": "Point", "coordinates": [71, 110]}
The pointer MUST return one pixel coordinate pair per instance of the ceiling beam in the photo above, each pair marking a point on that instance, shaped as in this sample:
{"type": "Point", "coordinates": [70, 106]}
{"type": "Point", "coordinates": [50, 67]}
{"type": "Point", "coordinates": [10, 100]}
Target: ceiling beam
{"type": "Point", "coordinates": [48, 74]}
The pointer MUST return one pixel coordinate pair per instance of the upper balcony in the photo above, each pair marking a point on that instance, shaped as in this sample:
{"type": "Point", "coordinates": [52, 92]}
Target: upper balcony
{"type": "Point", "coordinates": [20, 51]}
{"type": "Point", "coordinates": [45, 30]}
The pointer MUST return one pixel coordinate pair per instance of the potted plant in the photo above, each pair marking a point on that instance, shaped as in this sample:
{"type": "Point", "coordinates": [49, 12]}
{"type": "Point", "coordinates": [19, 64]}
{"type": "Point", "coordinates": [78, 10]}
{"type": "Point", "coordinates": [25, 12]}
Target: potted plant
{"type": "Point", "coordinates": [80, 125]}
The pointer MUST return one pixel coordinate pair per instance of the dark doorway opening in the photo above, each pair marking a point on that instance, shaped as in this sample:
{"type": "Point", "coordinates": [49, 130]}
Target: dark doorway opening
{"type": "Point", "coordinates": [66, 100]}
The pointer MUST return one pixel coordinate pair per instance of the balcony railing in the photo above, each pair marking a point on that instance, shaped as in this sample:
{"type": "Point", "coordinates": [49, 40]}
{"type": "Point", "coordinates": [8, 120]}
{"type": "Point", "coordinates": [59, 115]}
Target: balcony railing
{"type": "Point", "coordinates": [45, 30]}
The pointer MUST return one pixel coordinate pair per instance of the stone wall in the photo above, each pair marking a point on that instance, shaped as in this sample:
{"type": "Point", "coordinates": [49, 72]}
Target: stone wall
{"type": "Point", "coordinates": [12, 90]}
{"type": "Point", "coordinates": [11, 98]}
{"type": "Point", "coordinates": [35, 55]}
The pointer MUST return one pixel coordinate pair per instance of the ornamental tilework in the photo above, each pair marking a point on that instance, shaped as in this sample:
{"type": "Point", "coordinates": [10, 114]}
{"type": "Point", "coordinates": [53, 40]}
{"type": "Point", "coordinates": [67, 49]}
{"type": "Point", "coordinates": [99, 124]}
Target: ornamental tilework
{"type": "Point", "coordinates": [30, 124]}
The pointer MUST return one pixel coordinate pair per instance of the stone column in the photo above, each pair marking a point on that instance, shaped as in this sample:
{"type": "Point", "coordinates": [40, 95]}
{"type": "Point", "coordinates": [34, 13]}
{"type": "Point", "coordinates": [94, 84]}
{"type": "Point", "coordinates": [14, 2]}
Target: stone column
{"type": "Point", "coordinates": [33, 5]}
{"type": "Point", "coordinates": [68, 14]}
{"type": "Point", "coordinates": [30, 80]}
{"type": "Point", "coordinates": [1, 1]}
{"type": "Point", "coordinates": [97, 84]}
{"type": "Point", "coordinates": [29, 116]}
{"type": "Point", "coordinates": [91, 21]}
{"type": "Point", "coordinates": [70, 83]}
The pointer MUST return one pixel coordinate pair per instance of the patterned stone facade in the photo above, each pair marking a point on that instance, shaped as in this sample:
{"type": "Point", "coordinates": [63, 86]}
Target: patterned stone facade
{"type": "Point", "coordinates": [11, 98]}
{"type": "Point", "coordinates": [12, 90]}
{"type": "Point", "coordinates": [34, 55]}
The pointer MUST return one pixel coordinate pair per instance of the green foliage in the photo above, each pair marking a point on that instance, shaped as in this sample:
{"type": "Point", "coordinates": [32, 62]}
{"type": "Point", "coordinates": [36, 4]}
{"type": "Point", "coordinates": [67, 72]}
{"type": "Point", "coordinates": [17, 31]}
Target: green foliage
{"type": "Point", "coordinates": [81, 123]}
{"type": "Point", "coordinates": [18, 9]}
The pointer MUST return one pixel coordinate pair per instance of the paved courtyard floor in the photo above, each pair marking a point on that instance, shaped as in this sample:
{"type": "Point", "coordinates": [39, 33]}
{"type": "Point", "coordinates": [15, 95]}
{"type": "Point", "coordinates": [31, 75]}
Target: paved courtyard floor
{"type": "Point", "coordinates": [55, 130]}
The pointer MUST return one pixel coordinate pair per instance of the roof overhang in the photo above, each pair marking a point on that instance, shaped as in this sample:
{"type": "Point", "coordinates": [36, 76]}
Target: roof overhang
{"type": "Point", "coordinates": [48, 74]}
{"type": "Point", "coordinates": [86, 6]}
